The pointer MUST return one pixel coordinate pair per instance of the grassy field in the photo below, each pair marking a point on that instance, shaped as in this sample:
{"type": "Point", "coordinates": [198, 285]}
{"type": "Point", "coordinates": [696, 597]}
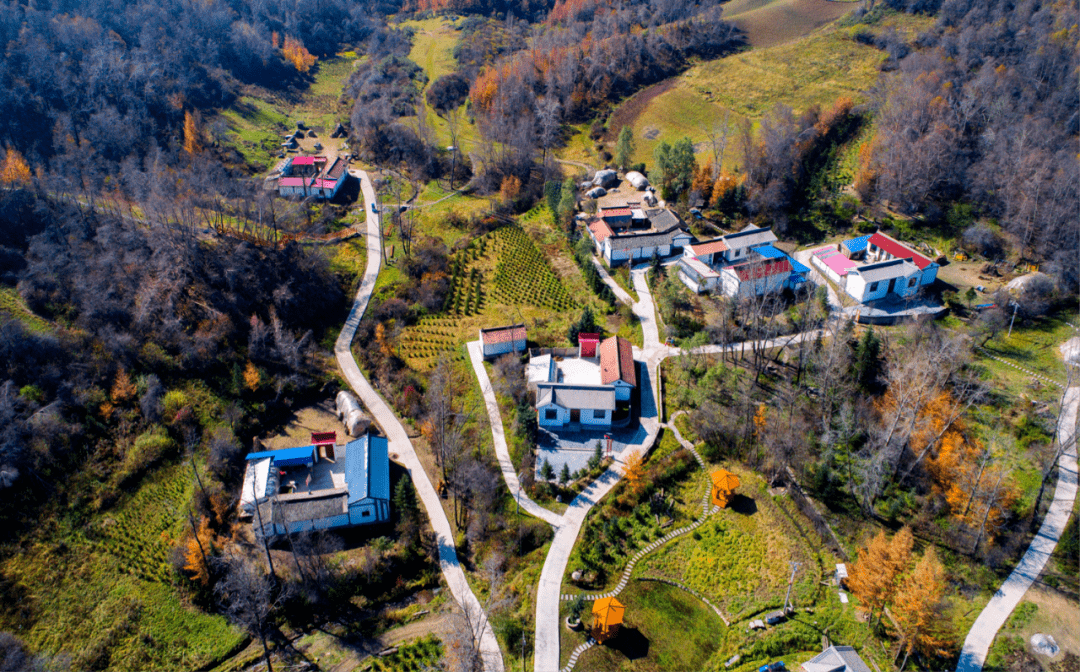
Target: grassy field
{"type": "Point", "coordinates": [739, 559]}
{"type": "Point", "coordinates": [12, 305]}
{"type": "Point", "coordinates": [100, 590]}
{"type": "Point", "coordinates": [814, 69]}
{"type": "Point", "coordinates": [257, 123]}
{"type": "Point", "coordinates": [433, 50]}
{"type": "Point", "coordinates": [655, 612]}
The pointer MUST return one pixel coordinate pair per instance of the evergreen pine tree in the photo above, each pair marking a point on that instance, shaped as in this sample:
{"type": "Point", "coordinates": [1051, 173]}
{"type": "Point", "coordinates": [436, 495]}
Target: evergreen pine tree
{"type": "Point", "coordinates": [547, 472]}
{"type": "Point", "coordinates": [567, 203]}
{"type": "Point", "coordinates": [564, 475]}
{"type": "Point", "coordinates": [867, 360]}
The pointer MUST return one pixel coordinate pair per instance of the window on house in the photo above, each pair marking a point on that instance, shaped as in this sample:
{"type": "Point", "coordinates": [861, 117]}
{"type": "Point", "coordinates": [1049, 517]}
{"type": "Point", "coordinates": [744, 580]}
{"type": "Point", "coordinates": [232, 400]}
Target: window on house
{"type": "Point", "coordinates": [551, 414]}
{"type": "Point", "coordinates": [873, 286]}
{"type": "Point", "coordinates": [911, 282]}
{"type": "Point", "coordinates": [365, 514]}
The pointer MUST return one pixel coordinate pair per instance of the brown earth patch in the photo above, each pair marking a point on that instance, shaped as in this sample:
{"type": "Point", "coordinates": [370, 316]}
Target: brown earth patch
{"type": "Point", "coordinates": [628, 111]}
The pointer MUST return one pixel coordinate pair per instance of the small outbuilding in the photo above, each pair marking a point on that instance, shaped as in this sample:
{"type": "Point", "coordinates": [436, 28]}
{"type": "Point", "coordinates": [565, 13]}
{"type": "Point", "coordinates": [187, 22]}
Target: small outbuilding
{"type": "Point", "coordinates": [724, 484]}
{"type": "Point", "coordinates": [607, 618]}
{"type": "Point", "coordinates": [501, 340]}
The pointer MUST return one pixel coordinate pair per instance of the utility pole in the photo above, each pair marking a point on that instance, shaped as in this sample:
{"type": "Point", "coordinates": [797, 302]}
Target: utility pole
{"type": "Point", "coordinates": [788, 608]}
{"type": "Point", "coordinates": [1016, 306]}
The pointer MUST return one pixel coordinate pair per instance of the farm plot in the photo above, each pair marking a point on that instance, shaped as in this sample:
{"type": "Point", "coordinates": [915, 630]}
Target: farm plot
{"type": "Point", "coordinates": [739, 559]}
{"type": "Point", "coordinates": [500, 276]}
{"type": "Point", "coordinates": [422, 654]}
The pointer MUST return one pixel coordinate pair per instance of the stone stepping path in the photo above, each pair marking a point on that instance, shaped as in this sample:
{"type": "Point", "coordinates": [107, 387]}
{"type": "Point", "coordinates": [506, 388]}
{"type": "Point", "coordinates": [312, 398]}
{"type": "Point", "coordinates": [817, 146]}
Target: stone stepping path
{"type": "Point", "coordinates": [589, 643]}
{"type": "Point", "coordinates": [706, 511]}
{"type": "Point", "coordinates": [1022, 369]}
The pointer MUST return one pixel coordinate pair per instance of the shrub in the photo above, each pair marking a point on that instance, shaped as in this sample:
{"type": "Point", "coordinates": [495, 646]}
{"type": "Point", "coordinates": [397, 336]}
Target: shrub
{"type": "Point", "coordinates": [172, 403]}
{"type": "Point", "coordinates": [147, 450]}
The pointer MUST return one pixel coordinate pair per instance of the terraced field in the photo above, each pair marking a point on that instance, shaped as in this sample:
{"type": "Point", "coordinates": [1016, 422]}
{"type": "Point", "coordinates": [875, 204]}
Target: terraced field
{"type": "Point", "coordinates": [500, 277]}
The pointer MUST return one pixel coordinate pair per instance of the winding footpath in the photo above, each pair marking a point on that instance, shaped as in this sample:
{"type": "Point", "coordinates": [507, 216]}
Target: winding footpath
{"type": "Point", "coordinates": [994, 615]}
{"type": "Point", "coordinates": [402, 446]}
{"type": "Point", "coordinates": [498, 435]}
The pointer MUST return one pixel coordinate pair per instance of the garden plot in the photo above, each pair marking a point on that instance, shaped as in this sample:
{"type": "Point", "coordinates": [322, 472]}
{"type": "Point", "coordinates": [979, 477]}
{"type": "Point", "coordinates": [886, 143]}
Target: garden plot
{"type": "Point", "coordinates": [740, 558]}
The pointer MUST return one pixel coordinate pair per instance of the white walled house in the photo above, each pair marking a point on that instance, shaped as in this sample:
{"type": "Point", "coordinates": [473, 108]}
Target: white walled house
{"type": "Point", "coordinates": [875, 267]}
{"type": "Point", "coordinates": [664, 237]}
{"type": "Point", "coordinates": [583, 391]}
{"type": "Point", "coordinates": [739, 265]}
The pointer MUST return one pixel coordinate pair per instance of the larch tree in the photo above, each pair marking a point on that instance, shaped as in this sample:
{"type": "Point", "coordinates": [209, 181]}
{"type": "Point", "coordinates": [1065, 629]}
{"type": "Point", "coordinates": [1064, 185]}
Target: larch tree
{"type": "Point", "coordinates": [15, 171]}
{"type": "Point", "coordinates": [879, 565]}
{"type": "Point", "coordinates": [192, 136]}
{"type": "Point", "coordinates": [917, 609]}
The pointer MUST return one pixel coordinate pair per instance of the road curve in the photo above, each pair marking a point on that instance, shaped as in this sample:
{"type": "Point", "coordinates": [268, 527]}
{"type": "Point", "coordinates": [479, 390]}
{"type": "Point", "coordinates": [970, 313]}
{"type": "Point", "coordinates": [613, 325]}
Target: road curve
{"type": "Point", "coordinates": [994, 615]}
{"type": "Point", "coordinates": [498, 435]}
{"type": "Point", "coordinates": [399, 440]}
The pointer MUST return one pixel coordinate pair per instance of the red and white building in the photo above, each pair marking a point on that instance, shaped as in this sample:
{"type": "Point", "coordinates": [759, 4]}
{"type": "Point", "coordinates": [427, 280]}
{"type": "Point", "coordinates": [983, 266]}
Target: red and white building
{"type": "Point", "coordinates": [583, 390]}
{"type": "Point", "coordinates": [739, 265]}
{"type": "Point", "coordinates": [312, 177]}
{"type": "Point", "coordinates": [502, 340]}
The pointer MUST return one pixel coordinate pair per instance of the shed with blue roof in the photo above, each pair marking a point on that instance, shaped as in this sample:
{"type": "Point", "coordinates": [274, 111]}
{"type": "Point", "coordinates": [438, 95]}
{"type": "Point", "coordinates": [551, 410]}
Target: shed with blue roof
{"type": "Point", "coordinates": [349, 488]}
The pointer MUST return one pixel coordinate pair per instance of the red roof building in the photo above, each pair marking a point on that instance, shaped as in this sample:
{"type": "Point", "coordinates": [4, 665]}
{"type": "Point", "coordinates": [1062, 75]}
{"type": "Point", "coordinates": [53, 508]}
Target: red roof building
{"type": "Point", "coordinates": [710, 247]}
{"type": "Point", "coordinates": [600, 231]}
{"type": "Point", "coordinates": [896, 249]}
{"type": "Point", "coordinates": [587, 344]}
{"type": "Point", "coordinates": [617, 361]}
{"type": "Point", "coordinates": [501, 340]}
{"type": "Point", "coordinates": [756, 270]}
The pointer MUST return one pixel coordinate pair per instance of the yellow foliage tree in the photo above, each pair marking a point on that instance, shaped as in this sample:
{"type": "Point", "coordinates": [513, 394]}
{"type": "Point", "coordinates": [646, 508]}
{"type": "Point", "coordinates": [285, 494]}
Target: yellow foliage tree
{"type": "Point", "coordinates": [634, 468]}
{"type": "Point", "coordinates": [192, 136]}
{"type": "Point", "coordinates": [195, 549]}
{"type": "Point", "coordinates": [123, 388]}
{"type": "Point", "coordinates": [252, 378]}
{"type": "Point", "coordinates": [916, 609]}
{"type": "Point", "coordinates": [880, 563]}
{"type": "Point", "coordinates": [761, 420]}
{"type": "Point", "coordinates": [15, 170]}
{"type": "Point", "coordinates": [510, 188]}
{"type": "Point", "coordinates": [723, 187]}
{"type": "Point", "coordinates": [296, 53]}
{"type": "Point", "coordinates": [703, 182]}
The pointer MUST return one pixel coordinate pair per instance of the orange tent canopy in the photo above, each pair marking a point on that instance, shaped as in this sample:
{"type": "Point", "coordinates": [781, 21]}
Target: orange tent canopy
{"type": "Point", "coordinates": [609, 612]}
{"type": "Point", "coordinates": [725, 480]}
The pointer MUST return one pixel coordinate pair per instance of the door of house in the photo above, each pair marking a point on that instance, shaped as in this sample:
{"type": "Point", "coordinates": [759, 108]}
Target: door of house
{"type": "Point", "coordinates": [575, 415]}
{"type": "Point", "coordinates": [892, 285]}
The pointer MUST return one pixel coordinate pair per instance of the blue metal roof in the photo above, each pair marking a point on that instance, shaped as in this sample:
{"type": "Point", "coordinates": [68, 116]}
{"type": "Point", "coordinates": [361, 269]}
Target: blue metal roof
{"type": "Point", "coordinates": [288, 457]}
{"type": "Point", "coordinates": [367, 468]}
{"type": "Point", "coordinates": [796, 279]}
{"type": "Point", "coordinates": [769, 252]}
{"type": "Point", "coordinates": [857, 244]}
{"type": "Point", "coordinates": [798, 267]}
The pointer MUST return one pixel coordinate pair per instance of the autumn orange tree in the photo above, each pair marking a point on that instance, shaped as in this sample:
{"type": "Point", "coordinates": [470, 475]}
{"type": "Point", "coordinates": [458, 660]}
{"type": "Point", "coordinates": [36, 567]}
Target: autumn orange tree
{"type": "Point", "coordinates": [15, 171]}
{"type": "Point", "coordinates": [634, 468]}
{"type": "Point", "coordinates": [192, 136]}
{"type": "Point", "coordinates": [880, 563]}
{"type": "Point", "coordinates": [294, 51]}
{"type": "Point", "coordinates": [917, 609]}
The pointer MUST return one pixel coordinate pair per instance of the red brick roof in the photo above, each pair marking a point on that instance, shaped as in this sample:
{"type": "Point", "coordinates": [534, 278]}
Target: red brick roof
{"type": "Point", "coordinates": [615, 212]}
{"type": "Point", "coordinates": [898, 249]}
{"type": "Point", "coordinates": [600, 231]}
{"type": "Point", "coordinates": [617, 361]}
{"type": "Point", "coordinates": [514, 332]}
{"type": "Point", "coordinates": [709, 247]}
{"type": "Point", "coordinates": [758, 270]}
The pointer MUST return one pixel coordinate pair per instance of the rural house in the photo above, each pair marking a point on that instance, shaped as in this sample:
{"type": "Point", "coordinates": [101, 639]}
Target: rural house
{"type": "Point", "coordinates": [312, 177]}
{"type": "Point", "coordinates": [836, 659]}
{"type": "Point", "coordinates": [583, 389]}
{"type": "Point", "coordinates": [740, 264]}
{"type": "Point", "coordinates": [874, 267]}
{"type": "Point", "coordinates": [619, 234]}
{"type": "Point", "coordinates": [501, 340]}
{"type": "Point", "coordinates": [317, 487]}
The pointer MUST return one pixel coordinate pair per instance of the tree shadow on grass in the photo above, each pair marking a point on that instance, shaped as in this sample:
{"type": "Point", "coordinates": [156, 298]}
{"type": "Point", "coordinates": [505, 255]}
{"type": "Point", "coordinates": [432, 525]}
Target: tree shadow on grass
{"type": "Point", "coordinates": [630, 642]}
{"type": "Point", "coordinates": [743, 504]}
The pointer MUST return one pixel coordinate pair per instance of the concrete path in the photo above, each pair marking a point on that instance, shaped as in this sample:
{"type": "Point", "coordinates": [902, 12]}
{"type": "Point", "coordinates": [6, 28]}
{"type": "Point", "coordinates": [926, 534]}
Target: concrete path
{"type": "Point", "coordinates": [498, 435]}
{"type": "Point", "coordinates": [994, 615]}
{"type": "Point", "coordinates": [803, 257]}
{"type": "Point", "coordinates": [620, 293]}
{"type": "Point", "coordinates": [402, 446]}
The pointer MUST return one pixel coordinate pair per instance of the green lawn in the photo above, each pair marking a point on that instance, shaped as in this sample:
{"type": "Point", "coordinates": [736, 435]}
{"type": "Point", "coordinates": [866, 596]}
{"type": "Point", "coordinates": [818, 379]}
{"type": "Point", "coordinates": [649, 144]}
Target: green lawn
{"type": "Point", "coordinates": [739, 559]}
{"type": "Point", "coordinates": [664, 629]}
